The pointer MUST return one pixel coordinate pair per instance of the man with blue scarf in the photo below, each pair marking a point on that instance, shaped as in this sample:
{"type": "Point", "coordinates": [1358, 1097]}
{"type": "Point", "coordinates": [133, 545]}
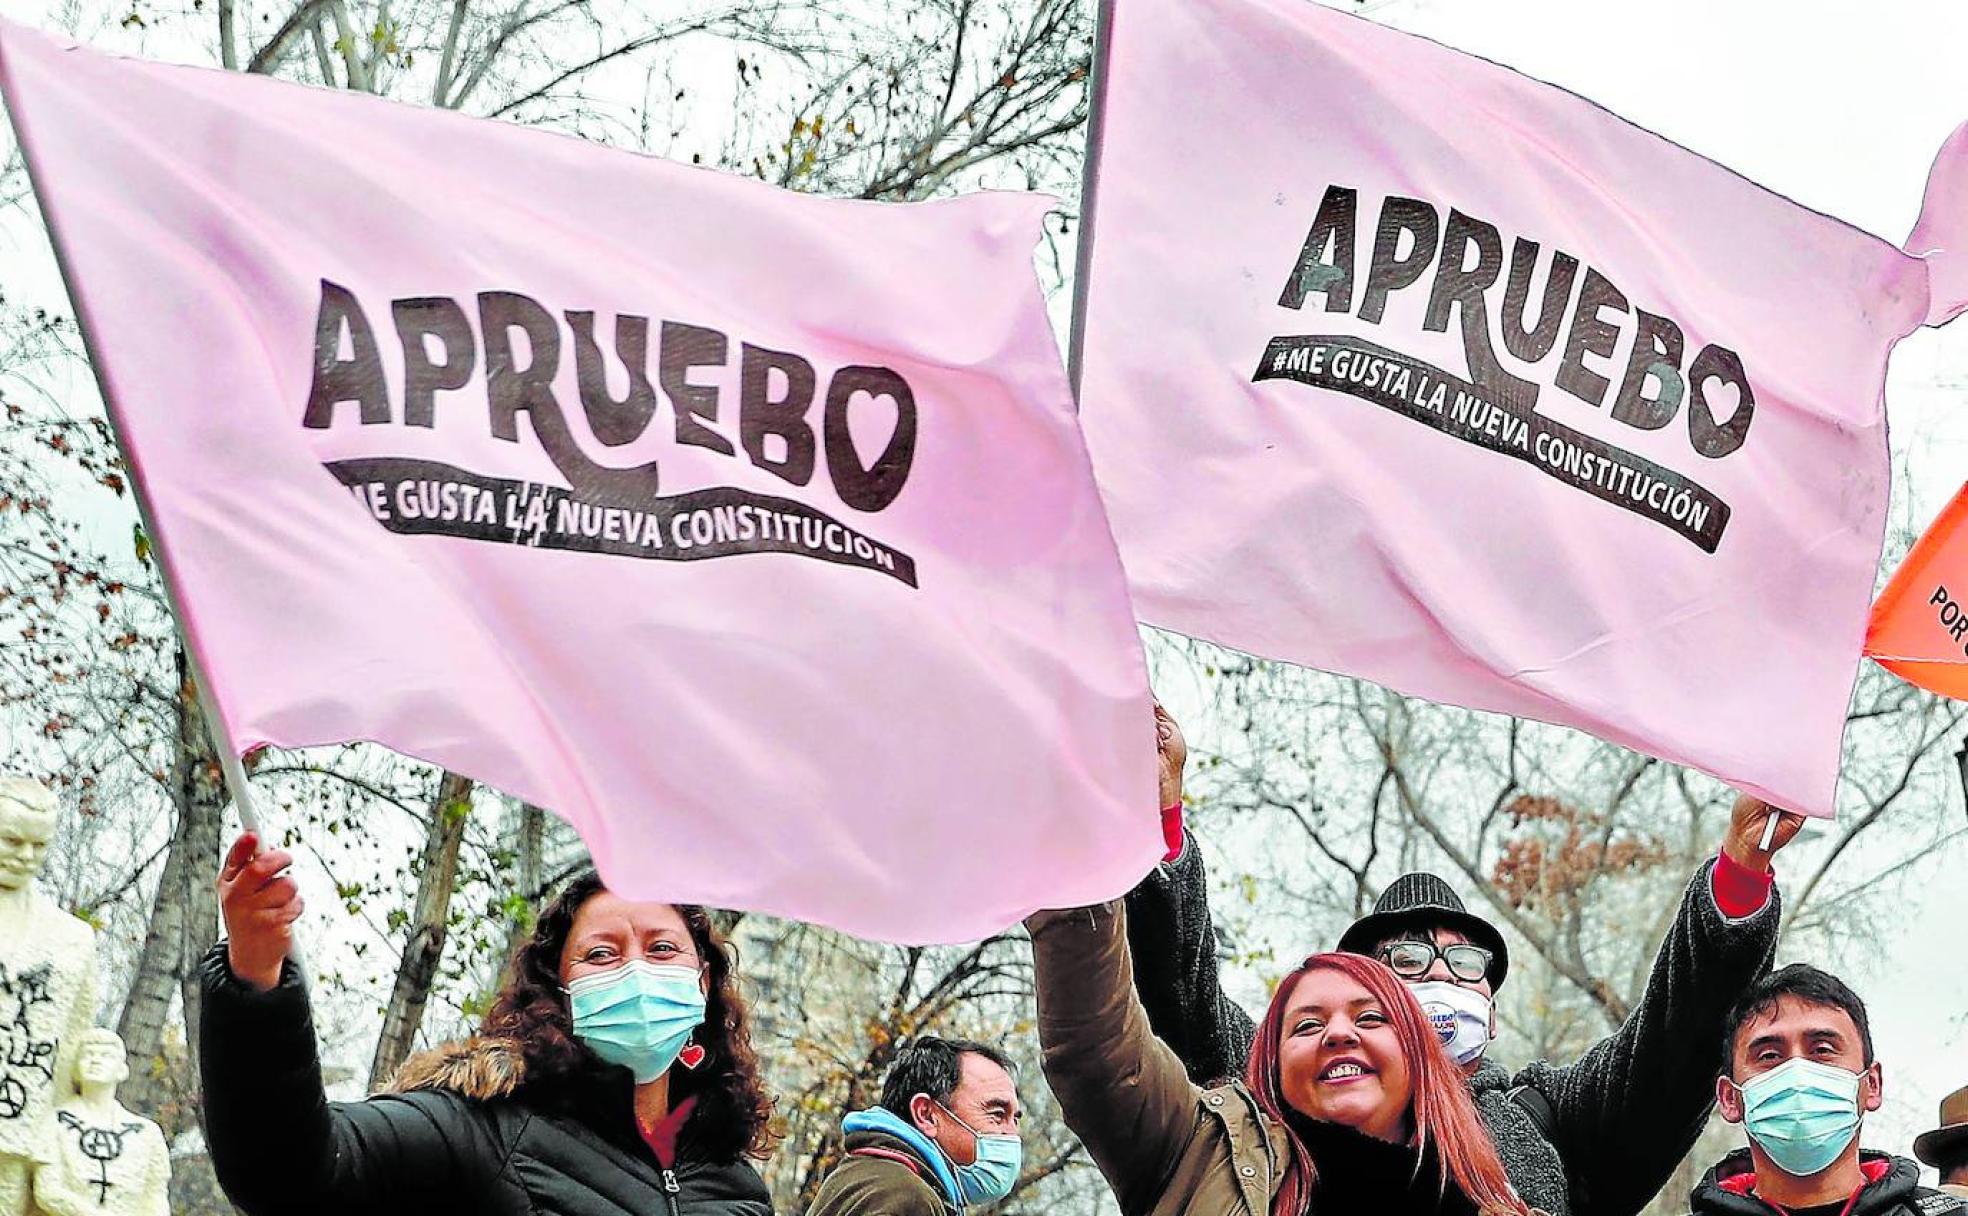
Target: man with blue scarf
{"type": "Point", "coordinates": [1800, 1078]}
{"type": "Point", "coordinates": [943, 1140]}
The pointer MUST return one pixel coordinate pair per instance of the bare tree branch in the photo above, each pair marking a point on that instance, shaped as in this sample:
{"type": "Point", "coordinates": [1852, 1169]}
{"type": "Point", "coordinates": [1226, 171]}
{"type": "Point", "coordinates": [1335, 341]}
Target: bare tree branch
{"type": "Point", "coordinates": [322, 59]}
{"type": "Point", "coordinates": [517, 24]}
{"type": "Point", "coordinates": [588, 65]}
{"type": "Point", "coordinates": [228, 52]}
{"type": "Point", "coordinates": [351, 50]}
{"type": "Point", "coordinates": [1878, 808]}
{"type": "Point", "coordinates": [268, 58]}
{"type": "Point", "coordinates": [449, 59]}
{"type": "Point", "coordinates": [1565, 962]}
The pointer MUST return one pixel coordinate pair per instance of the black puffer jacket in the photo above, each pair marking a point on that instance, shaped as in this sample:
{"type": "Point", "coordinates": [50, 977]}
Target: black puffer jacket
{"type": "Point", "coordinates": [456, 1140]}
{"type": "Point", "coordinates": [1597, 1137]}
{"type": "Point", "coordinates": [1892, 1188]}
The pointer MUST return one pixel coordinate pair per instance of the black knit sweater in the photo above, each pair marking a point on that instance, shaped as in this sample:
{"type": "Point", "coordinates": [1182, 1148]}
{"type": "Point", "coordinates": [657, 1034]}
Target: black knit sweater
{"type": "Point", "coordinates": [1361, 1176]}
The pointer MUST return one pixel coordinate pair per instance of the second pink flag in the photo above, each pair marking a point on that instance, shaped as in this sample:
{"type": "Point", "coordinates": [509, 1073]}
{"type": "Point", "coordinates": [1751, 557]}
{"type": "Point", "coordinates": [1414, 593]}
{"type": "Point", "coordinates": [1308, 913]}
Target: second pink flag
{"type": "Point", "coordinates": [1447, 378]}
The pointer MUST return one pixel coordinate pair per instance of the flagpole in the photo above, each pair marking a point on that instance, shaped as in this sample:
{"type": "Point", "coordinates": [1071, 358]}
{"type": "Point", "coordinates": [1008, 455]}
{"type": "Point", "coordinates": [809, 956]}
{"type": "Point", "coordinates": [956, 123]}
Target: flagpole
{"type": "Point", "coordinates": [229, 761]}
{"type": "Point", "coordinates": [1103, 29]}
{"type": "Point", "coordinates": [229, 765]}
{"type": "Point", "coordinates": [215, 727]}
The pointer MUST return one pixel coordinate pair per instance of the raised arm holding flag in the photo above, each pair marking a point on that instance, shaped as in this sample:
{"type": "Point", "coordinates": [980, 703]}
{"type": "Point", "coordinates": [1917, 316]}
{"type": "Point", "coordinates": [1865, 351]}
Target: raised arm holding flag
{"type": "Point", "coordinates": [613, 1072]}
{"type": "Point", "coordinates": [1599, 1135]}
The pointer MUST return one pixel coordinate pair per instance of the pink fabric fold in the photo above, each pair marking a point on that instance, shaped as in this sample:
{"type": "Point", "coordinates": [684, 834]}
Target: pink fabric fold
{"type": "Point", "coordinates": [1940, 236]}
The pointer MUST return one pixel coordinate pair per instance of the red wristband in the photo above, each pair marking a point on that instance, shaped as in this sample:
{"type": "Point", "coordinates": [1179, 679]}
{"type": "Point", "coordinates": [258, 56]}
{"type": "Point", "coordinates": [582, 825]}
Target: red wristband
{"type": "Point", "coordinates": [1172, 831]}
{"type": "Point", "coordinates": [1739, 891]}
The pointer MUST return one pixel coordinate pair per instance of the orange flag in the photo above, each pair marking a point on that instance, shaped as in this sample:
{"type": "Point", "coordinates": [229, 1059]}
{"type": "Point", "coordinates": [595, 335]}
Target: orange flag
{"type": "Point", "coordinates": [1919, 627]}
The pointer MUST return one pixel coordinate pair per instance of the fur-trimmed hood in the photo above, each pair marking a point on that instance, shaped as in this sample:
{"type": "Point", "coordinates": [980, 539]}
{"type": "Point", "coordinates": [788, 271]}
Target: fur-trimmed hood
{"type": "Point", "coordinates": [480, 1068]}
{"type": "Point", "coordinates": [459, 1131]}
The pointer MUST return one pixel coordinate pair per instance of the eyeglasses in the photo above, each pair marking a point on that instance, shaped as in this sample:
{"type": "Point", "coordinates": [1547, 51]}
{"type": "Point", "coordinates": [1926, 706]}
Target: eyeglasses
{"type": "Point", "coordinates": [1412, 960]}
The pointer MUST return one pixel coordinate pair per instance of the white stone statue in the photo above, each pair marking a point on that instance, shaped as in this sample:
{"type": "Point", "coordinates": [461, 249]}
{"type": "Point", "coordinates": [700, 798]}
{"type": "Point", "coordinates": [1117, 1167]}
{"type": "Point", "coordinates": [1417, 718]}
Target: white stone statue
{"type": "Point", "coordinates": [108, 1162]}
{"type": "Point", "coordinates": [47, 992]}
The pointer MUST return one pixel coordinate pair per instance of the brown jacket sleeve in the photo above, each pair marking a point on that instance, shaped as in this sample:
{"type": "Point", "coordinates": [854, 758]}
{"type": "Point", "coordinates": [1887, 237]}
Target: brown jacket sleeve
{"type": "Point", "coordinates": [1122, 1090]}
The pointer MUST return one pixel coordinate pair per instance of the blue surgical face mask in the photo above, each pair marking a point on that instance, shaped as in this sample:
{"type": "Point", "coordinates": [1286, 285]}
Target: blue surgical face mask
{"type": "Point", "coordinates": [1802, 1114]}
{"type": "Point", "coordinates": [638, 1015]}
{"type": "Point", "coordinates": [990, 1177]}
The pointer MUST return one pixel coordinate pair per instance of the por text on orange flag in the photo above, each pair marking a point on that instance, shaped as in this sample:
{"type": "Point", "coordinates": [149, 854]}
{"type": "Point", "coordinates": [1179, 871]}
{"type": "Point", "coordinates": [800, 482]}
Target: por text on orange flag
{"type": "Point", "coordinates": [1919, 627]}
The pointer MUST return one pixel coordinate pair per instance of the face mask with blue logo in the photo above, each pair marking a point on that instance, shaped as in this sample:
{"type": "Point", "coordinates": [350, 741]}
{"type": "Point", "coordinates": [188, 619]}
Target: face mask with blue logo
{"type": "Point", "coordinates": [990, 1177]}
{"type": "Point", "coordinates": [1802, 1114]}
{"type": "Point", "coordinates": [1460, 1016]}
{"type": "Point", "coordinates": [638, 1015]}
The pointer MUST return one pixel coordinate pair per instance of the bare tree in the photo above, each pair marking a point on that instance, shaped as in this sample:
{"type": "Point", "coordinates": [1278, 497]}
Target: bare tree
{"type": "Point", "coordinates": [943, 91]}
{"type": "Point", "coordinates": [423, 946]}
{"type": "Point", "coordinates": [184, 913]}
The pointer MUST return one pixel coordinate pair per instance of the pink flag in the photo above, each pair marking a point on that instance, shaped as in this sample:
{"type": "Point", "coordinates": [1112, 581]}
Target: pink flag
{"type": "Point", "coordinates": [1441, 376]}
{"type": "Point", "coordinates": [751, 532]}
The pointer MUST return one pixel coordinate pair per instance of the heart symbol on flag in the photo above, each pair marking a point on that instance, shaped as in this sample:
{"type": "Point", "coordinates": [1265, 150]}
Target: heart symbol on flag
{"type": "Point", "coordinates": [1711, 436]}
{"type": "Point", "coordinates": [872, 419]}
{"type": "Point", "coordinates": [1717, 398]}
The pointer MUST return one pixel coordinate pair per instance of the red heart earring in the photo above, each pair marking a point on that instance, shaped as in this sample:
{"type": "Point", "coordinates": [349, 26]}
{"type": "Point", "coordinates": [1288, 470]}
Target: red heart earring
{"type": "Point", "coordinates": [691, 1056]}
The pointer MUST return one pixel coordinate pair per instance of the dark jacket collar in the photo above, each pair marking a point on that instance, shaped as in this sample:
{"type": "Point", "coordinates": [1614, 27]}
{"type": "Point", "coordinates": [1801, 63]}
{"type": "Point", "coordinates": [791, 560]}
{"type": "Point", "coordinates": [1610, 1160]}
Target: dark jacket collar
{"type": "Point", "coordinates": [893, 1132]}
{"type": "Point", "coordinates": [1726, 1190]}
{"type": "Point", "coordinates": [1489, 1075]}
{"type": "Point", "coordinates": [491, 1068]}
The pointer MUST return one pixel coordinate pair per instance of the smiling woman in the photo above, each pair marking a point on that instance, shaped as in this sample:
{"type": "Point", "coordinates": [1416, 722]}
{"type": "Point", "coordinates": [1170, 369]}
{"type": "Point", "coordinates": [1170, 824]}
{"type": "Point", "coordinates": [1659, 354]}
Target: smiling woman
{"type": "Point", "coordinates": [1346, 1045]}
{"type": "Point", "coordinates": [1329, 1049]}
{"type": "Point", "coordinates": [1349, 1104]}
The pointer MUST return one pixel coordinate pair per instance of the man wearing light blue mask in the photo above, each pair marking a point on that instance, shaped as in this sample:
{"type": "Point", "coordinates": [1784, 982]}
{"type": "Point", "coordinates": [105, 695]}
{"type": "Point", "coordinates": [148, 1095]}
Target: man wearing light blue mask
{"type": "Point", "coordinates": [944, 1138]}
{"type": "Point", "coordinates": [1800, 1078]}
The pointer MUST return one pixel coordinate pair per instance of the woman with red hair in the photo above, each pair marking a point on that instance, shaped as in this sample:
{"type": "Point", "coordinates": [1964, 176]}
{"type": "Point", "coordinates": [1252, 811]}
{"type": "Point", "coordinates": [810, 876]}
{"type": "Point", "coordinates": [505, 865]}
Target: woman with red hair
{"type": "Point", "coordinates": [1349, 1105]}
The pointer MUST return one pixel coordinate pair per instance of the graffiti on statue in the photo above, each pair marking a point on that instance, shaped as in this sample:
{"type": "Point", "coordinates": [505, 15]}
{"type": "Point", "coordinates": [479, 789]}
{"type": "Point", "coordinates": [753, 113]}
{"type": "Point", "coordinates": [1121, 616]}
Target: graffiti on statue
{"type": "Point", "coordinates": [27, 1040]}
{"type": "Point", "coordinates": [108, 1162]}
{"type": "Point", "coordinates": [102, 1145]}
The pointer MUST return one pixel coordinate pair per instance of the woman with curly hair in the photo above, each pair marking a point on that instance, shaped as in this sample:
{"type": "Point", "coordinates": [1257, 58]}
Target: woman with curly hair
{"type": "Point", "coordinates": [613, 1073]}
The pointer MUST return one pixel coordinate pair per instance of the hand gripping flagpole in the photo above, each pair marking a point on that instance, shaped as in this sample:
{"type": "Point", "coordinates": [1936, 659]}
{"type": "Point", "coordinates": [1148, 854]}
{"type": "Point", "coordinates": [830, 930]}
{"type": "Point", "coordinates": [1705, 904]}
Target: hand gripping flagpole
{"type": "Point", "coordinates": [1103, 29]}
{"type": "Point", "coordinates": [229, 765]}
